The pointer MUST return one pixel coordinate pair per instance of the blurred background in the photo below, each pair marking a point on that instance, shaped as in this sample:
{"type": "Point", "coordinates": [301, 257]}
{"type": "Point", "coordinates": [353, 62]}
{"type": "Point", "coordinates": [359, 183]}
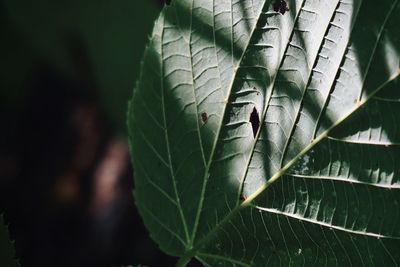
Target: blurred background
{"type": "Point", "coordinates": [67, 70]}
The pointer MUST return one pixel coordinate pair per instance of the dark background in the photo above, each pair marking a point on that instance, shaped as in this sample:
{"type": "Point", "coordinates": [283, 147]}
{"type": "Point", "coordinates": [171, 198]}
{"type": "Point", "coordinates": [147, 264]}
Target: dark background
{"type": "Point", "coordinates": [67, 70]}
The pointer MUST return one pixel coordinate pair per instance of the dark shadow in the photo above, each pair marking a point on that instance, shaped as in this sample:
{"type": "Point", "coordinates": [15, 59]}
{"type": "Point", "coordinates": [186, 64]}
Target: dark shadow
{"type": "Point", "coordinates": [56, 148]}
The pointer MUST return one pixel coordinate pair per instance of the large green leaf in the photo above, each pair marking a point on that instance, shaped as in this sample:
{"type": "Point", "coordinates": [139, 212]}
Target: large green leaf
{"type": "Point", "coordinates": [320, 176]}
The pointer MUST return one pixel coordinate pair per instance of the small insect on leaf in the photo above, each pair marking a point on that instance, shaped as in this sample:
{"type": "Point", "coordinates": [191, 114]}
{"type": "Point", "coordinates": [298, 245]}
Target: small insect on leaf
{"type": "Point", "coordinates": [242, 197]}
{"type": "Point", "coordinates": [255, 121]}
{"type": "Point", "coordinates": [204, 117]}
{"type": "Point", "coordinates": [280, 6]}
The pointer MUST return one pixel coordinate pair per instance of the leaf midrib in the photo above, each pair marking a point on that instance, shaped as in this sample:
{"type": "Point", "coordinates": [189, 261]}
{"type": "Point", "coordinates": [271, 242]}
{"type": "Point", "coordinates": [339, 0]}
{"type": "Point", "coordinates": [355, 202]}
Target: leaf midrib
{"type": "Point", "coordinates": [376, 46]}
{"type": "Point", "coordinates": [212, 155]}
{"type": "Point", "coordinates": [192, 252]}
{"type": "Point", "coordinates": [184, 223]}
{"type": "Point", "coordinates": [207, 165]}
{"type": "Point", "coordinates": [311, 69]}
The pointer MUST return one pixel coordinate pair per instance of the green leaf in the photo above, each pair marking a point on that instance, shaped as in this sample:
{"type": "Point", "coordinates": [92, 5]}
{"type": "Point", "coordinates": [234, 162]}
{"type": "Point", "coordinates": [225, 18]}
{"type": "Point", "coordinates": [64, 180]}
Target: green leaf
{"type": "Point", "coordinates": [320, 175]}
{"type": "Point", "coordinates": [7, 251]}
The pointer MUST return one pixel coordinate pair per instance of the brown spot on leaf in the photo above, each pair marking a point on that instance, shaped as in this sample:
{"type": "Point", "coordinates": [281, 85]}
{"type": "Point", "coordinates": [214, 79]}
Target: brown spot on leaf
{"type": "Point", "coordinates": [280, 6]}
{"type": "Point", "coordinates": [204, 117]}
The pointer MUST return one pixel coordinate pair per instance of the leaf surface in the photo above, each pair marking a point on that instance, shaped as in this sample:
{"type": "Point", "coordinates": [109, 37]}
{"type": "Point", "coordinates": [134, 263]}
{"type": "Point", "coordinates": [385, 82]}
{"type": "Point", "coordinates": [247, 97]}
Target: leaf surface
{"type": "Point", "coordinates": [297, 113]}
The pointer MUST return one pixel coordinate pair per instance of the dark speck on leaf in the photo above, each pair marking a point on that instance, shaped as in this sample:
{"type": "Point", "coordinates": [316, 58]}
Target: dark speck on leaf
{"type": "Point", "coordinates": [280, 6]}
{"type": "Point", "coordinates": [255, 121]}
{"type": "Point", "coordinates": [168, 2]}
{"type": "Point", "coordinates": [204, 117]}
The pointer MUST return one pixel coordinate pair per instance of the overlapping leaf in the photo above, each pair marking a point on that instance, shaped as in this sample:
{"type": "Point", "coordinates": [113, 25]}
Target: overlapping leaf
{"type": "Point", "coordinates": [7, 251]}
{"type": "Point", "coordinates": [319, 174]}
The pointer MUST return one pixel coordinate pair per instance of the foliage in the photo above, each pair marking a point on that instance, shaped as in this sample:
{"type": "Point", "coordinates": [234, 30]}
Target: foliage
{"type": "Point", "coordinates": [267, 136]}
{"type": "Point", "coordinates": [6, 247]}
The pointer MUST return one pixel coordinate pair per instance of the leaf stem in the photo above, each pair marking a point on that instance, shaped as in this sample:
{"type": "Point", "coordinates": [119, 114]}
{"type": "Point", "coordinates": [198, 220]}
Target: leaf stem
{"type": "Point", "coordinates": [184, 260]}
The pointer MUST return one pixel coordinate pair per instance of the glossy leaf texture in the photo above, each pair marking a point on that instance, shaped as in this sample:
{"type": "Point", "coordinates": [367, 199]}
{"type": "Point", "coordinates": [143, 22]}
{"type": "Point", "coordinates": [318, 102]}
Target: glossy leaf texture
{"type": "Point", "coordinates": [7, 251]}
{"type": "Point", "coordinates": [269, 138]}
